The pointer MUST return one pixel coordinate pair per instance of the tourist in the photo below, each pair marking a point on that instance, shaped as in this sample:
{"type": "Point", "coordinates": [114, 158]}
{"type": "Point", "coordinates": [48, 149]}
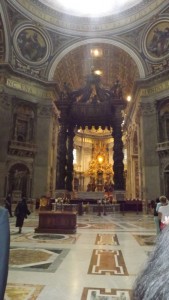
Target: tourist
{"type": "Point", "coordinates": [21, 213]}
{"type": "Point", "coordinates": [163, 211]}
{"type": "Point", "coordinates": [152, 282]}
{"type": "Point", "coordinates": [154, 205]}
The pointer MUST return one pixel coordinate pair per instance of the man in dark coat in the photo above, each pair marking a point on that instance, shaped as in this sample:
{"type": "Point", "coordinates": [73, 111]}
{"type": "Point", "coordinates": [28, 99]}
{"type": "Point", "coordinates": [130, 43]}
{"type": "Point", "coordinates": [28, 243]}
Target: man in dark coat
{"type": "Point", "coordinates": [21, 213]}
{"type": "Point", "coordinates": [4, 250]}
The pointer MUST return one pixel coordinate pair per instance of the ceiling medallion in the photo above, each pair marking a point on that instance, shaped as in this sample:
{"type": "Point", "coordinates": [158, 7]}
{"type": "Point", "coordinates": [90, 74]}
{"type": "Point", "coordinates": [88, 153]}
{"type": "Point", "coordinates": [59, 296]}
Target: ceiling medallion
{"type": "Point", "coordinates": [156, 45]}
{"type": "Point", "coordinates": [31, 44]}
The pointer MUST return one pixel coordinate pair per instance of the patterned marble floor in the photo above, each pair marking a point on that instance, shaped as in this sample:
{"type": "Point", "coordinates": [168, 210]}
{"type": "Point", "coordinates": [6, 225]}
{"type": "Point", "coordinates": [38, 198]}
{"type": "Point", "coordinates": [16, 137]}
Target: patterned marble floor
{"type": "Point", "coordinates": [99, 262]}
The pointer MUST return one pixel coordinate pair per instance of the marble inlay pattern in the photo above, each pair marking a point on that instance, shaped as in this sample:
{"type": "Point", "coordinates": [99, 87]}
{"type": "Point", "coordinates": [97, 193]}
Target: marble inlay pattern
{"type": "Point", "coordinates": [45, 238]}
{"type": "Point", "coordinates": [105, 294]}
{"type": "Point", "coordinates": [23, 291]}
{"type": "Point", "coordinates": [107, 262]}
{"type": "Point", "coordinates": [41, 260]}
{"type": "Point", "coordinates": [99, 226]}
{"type": "Point", "coordinates": [107, 239]}
{"type": "Point", "coordinates": [142, 224]}
{"type": "Point", "coordinates": [145, 240]}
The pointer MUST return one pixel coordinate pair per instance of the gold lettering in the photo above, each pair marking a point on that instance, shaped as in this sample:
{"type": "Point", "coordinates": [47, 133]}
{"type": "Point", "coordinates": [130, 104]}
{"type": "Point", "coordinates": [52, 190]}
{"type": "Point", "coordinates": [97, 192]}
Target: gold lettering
{"type": "Point", "coordinates": [29, 89]}
{"type": "Point", "coordinates": [155, 89]}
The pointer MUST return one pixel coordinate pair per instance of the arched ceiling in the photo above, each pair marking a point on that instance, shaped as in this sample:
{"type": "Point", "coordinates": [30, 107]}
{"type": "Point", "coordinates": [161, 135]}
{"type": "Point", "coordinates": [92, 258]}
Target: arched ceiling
{"type": "Point", "coordinates": [113, 62]}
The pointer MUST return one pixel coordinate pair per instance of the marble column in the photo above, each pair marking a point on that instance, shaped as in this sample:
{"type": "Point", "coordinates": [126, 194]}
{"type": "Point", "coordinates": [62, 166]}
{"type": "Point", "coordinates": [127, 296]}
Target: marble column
{"type": "Point", "coordinates": [69, 175]}
{"type": "Point", "coordinates": [61, 157]}
{"type": "Point", "coordinates": [118, 167]}
{"type": "Point", "coordinates": [149, 155]}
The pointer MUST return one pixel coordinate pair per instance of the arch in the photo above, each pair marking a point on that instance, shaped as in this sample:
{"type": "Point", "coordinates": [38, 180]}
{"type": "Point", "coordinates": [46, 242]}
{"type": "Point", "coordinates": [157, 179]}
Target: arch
{"type": "Point", "coordinates": [119, 44]}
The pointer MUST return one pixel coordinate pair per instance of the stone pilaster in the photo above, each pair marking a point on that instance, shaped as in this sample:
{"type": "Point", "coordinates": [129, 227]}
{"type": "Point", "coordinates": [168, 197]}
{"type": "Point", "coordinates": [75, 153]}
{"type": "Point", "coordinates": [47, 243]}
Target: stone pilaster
{"type": "Point", "coordinates": [5, 125]}
{"type": "Point", "coordinates": [61, 157]}
{"type": "Point", "coordinates": [41, 179]}
{"type": "Point", "coordinates": [148, 153]}
{"type": "Point", "coordinates": [118, 167]}
{"type": "Point", "coordinates": [69, 177]}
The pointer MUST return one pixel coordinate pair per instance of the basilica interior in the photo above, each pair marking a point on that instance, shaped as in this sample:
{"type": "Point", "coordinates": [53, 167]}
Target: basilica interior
{"type": "Point", "coordinates": [84, 122]}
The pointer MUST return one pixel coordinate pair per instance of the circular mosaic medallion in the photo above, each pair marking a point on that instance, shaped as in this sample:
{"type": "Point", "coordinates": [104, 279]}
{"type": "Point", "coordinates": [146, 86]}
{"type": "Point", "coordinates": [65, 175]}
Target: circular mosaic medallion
{"type": "Point", "coordinates": [31, 44]}
{"type": "Point", "coordinates": [156, 44]}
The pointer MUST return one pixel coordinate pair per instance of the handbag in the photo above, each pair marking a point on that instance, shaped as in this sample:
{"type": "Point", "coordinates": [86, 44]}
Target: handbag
{"type": "Point", "coordinates": [162, 225]}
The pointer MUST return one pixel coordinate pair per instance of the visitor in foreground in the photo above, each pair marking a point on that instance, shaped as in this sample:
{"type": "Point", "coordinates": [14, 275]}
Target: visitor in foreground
{"type": "Point", "coordinates": [4, 250]}
{"type": "Point", "coordinates": [153, 282]}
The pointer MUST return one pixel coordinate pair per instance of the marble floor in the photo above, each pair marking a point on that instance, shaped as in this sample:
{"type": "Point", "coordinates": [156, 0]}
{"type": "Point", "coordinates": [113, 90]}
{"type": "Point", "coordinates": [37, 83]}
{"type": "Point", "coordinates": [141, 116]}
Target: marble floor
{"type": "Point", "coordinates": [99, 262]}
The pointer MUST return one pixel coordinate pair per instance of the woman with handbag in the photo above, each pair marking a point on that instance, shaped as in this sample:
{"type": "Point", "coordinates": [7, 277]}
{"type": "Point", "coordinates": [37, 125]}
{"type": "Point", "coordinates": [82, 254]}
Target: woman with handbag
{"type": "Point", "coordinates": [163, 211]}
{"type": "Point", "coordinates": [21, 213]}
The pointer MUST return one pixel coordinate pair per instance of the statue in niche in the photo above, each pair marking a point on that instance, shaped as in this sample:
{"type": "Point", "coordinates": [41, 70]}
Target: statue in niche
{"type": "Point", "coordinates": [23, 123]}
{"type": "Point", "coordinates": [19, 179]}
{"type": "Point", "coordinates": [21, 130]}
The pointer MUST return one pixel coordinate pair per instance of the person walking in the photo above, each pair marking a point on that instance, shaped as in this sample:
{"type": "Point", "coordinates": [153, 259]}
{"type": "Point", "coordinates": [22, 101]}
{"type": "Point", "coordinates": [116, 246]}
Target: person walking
{"type": "Point", "coordinates": [21, 213]}
{"type": "Point", "coordinates": [8, 204]}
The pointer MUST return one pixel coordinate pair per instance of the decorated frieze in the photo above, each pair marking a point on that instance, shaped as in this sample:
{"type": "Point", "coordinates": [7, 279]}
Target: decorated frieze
{"type": "Point", "coordinates": [71, 23]}
{"type": "Point", "coordinates": [45, 110]}
{"type": "Point", "coordinates": [148, 108]}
